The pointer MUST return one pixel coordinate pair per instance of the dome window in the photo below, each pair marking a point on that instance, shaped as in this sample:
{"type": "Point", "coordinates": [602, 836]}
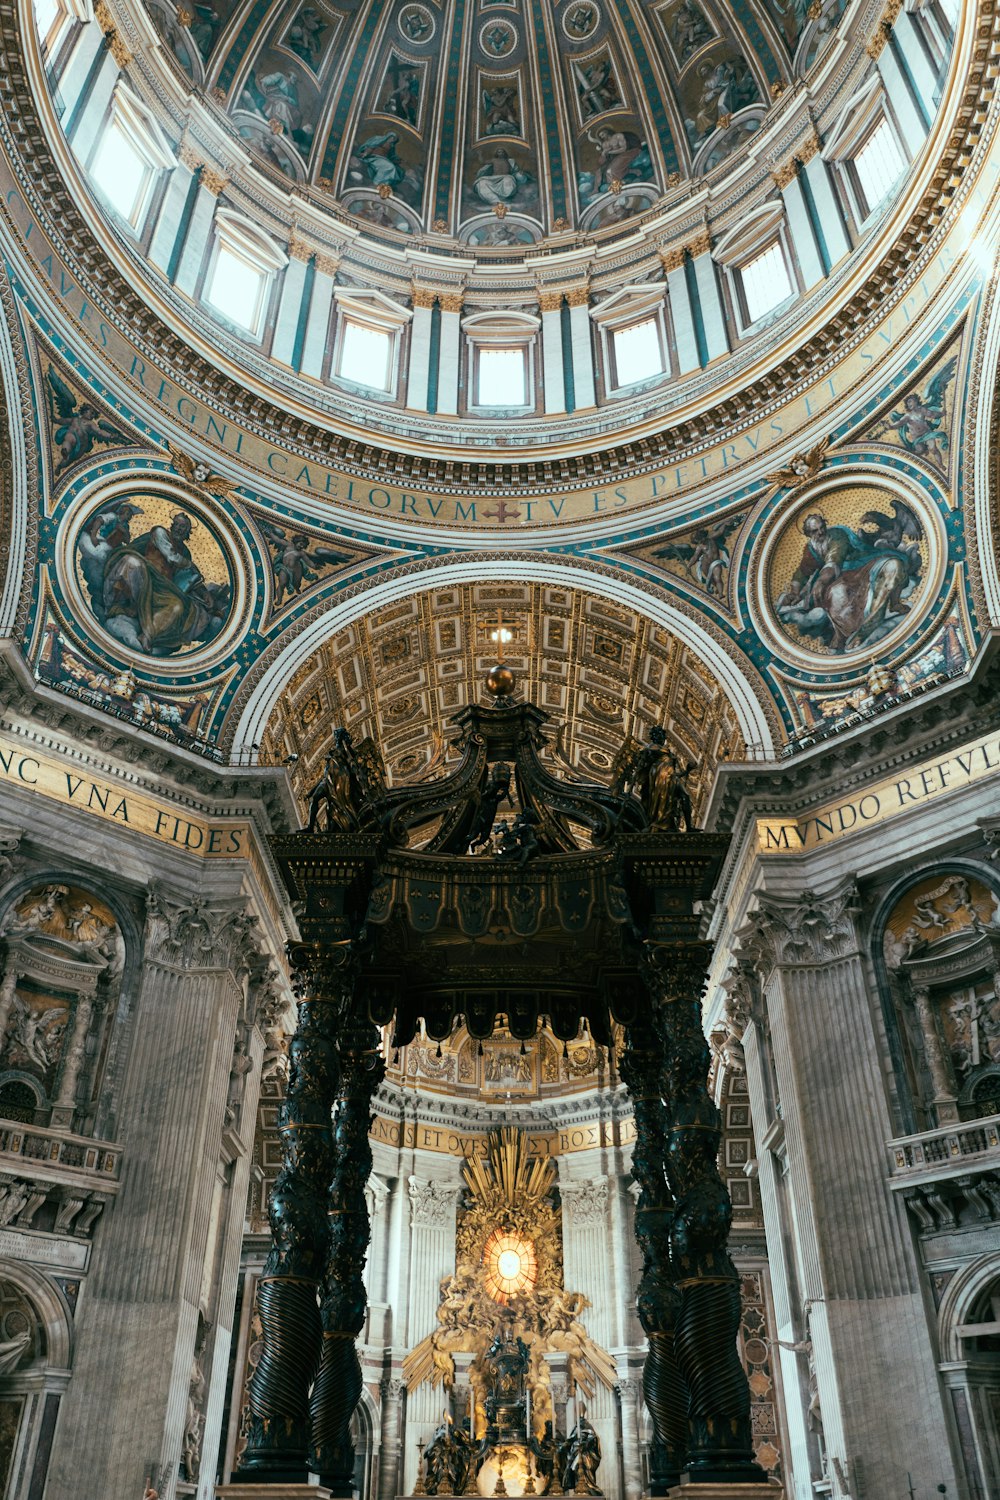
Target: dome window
{"type": "Point", "coordinates": [53, 19]}
{"type": "Point", "coordinates": [756, 258]}
{"type": "Point", "coordinates": [631, 327]}
{"type": "Point", "coordinates": [867, 152]}
{"type": "Point", "coordinates": [500, 349]}
{"type": "Point", "coordinates": [128, 157]}
{"type": "Point", "coordinates": [242, 267]}
{"type": "Point", "coordinates": [878, 166]}
{"type": "Point", "coordinates": [368, 339]}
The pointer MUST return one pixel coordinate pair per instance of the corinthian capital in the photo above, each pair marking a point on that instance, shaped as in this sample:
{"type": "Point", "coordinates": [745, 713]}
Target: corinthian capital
{"type": "Point", "coordinates": [586, 1203]}
{"type": "Point", "coordinates": [192, 934]}
{"type": "Point", "coordinates": [807, 930]}
{"type": "Point", "coordinates": [432, 1204]}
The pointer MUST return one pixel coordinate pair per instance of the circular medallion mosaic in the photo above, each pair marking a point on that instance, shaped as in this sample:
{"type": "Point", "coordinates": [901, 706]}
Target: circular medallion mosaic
{"type": "Point", "coordinates": [498, 38]}
{"type": "Point", "coordinates": [580, 20]}
{"type": "Point", "coordinates": [417, 24]}
{"type": "Point", "coordinates": [154, 573]}
{"type": "Point", "coordinates": [847, 571]}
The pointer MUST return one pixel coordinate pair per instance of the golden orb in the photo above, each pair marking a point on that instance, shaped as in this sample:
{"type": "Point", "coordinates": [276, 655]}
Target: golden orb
{"type": "Point", "coordinates": [500, 681]}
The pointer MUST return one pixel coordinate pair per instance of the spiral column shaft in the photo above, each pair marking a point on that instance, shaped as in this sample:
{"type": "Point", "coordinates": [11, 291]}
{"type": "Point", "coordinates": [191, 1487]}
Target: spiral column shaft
{"type": "Point", "coordinates": [343, 1303]}
{"type": "Point", "coordinates": [719, 1441]}
{"type": "Point", "coordinates": [658, 1299]}
{"type": "Point", "coordinates": [287, 1296]}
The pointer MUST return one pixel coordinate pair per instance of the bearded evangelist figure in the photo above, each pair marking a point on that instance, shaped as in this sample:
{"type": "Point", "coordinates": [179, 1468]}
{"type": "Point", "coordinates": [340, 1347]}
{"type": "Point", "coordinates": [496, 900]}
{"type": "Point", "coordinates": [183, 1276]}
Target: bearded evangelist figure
{"type": "Point", "coordinates": [155, 598]}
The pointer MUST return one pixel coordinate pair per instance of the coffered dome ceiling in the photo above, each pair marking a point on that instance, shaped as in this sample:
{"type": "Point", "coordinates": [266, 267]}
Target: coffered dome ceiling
{"type": "Point", "coordinates": [599, 670]}
{"type": "Point", "coordinates": [496, 121]}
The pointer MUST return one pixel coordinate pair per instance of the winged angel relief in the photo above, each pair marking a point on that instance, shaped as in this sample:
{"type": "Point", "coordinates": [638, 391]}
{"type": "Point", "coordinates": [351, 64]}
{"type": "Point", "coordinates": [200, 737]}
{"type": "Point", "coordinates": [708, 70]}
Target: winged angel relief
{"type": "Point", "coordinates": [509, 1268]}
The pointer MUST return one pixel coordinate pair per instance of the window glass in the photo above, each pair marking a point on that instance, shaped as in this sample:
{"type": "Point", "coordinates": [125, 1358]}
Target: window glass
{"type": "Point", "coordinates": [638, 352]}
{"type": "Point", "coordinates": [766, 282]}
{"type": "Point", "coordinates": [501, 378]}
{"type": "Point", "coordinates": [46, 12]}
{"type": "Point", "coordinates": [120, 171]}
{"type": "Point", "coordinates": [236, 289]}
{"type": "Point", "coordinates": [879, 164]}
{"type": "Point", "coordinates": [364, 355]}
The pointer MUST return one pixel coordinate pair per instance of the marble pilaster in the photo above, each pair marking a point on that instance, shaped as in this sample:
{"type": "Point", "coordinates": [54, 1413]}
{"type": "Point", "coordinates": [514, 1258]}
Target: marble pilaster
{"type": "Point", "coordinates": [713, 316]}
{"type": "Point", "coordinates": [553, 375]}
{"type": "Point", "coordinates": [581, 344]}
{"type": "Point", "coordinates": [317, 336]}
{"type": "Point", "coordinates": [170, 218]}
{"type": "Point", "coordinates": [418, 369]}
{"type": "Point", "coordinates": [137, 1326]}
{"type": "Point", "coordinates": [905, 109]}
{"type": "Point", "coordinates": [856, 1272]}
{"type": "Point", "coordinates": [293, 291]}
{"type": "Point", "coordinates": [198, 235]}
{"type": "Point", "coordinates": [682, 317]}
{"type": "Point", "coordinates": [449, 355]}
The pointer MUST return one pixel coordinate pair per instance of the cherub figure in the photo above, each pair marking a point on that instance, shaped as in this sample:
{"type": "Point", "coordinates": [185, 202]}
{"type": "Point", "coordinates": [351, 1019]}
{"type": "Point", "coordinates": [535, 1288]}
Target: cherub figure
{"type": "Point", "coordinates": [705, 556]}
{"type": "Point", "coordinates": [921, 425]}
{"type": "Point", "coordinates": [76, 424]}
{"type": "Point", "coordinates": [296, 560]}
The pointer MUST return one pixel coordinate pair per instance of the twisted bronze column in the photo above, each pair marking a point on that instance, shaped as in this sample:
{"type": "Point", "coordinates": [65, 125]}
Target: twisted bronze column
{"type": "Point", "coordinates": [338, 1383]}
{"type": "Point", "coordinates": [278, 1445]}
{"type": "Point", "coordinates": [719, 1442]}
{"type": "Point", "coordinates": [658, 1299]}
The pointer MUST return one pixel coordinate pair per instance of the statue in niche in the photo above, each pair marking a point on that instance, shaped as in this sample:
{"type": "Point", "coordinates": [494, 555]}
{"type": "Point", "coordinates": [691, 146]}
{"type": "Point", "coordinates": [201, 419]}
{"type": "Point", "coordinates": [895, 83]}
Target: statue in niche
{"type": "Point", "coordinates": [37, 1033]}
{"type": "Point", "coordinates": [581, 1457]}
{"type": "Point", "coordinates": [194, 1418]}
{"type": "Point", "coordinates": [239, 1071]}
{"type": "Point", "coordinates": [71, 921]}
{"type": "Point", "coordinates": [18, 1329]}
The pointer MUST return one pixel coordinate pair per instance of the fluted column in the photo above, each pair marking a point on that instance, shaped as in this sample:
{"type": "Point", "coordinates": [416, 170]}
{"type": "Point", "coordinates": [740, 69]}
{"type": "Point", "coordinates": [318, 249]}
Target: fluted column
{"type": "Point", "coordinates": [392, 1391]}
{"type": "Point", "coordinates": [630, 1395]}
{"type": "Point", "coordinates": [287, 1294]}
{"type": "Point", "coordinates": [136, 1329]}
{"type": "Point", "coordinates": [342, 1308]}
{"type": "Point", "coordinates": [856, 1271]}
{"type": "Point", "coordinates": [658, 1299]}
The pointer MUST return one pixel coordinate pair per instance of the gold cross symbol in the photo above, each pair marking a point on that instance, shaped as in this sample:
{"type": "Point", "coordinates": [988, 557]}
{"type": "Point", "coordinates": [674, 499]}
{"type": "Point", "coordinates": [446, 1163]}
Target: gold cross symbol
{"type": "Point", "coordinates": [499, 631]}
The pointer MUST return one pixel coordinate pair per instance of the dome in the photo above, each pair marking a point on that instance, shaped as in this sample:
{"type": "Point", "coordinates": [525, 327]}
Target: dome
{"type": "Point", "coordinates": [494, 123]}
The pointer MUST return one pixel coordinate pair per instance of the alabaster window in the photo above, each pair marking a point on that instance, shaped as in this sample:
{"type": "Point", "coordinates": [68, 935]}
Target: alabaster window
{"type": "Point", "coordinates": [500, 350]}
{"type": "Point", "coordinates": [757, 261]}
{"type": "Point", "coordinates": [368, 339]}
{"type": "Point", "coordinates": [241, 271]}
{"type": "Point", "coordinates": [128, 157]}
{"type": "Point", "coordinates": [631, 327]}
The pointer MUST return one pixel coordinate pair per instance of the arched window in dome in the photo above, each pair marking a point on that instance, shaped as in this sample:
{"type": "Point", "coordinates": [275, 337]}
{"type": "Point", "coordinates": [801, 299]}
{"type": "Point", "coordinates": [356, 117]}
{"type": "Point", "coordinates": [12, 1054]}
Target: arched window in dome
{"type": "Point", "coordinates": [500, 361]}
{"type": "Point", "coordinates": [631, 328]}
{"type": "Point", "coordinates": [127, 157]}
{"type": "Point", "coordinates": [868, 152]}
{"type": "Point", "coordinates": [756, 258]}
{"type": "Point", "coordinates": [54, 20]}
{"type": "Point", "coordinates": [368, 339]}
{"type": "Point", "coordinates": [240, 272]}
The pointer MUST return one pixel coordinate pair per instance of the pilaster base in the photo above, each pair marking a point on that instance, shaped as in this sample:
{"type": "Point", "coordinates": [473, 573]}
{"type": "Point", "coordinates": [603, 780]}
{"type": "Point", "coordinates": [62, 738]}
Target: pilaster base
{"type": "Point", "coordinates": [770, 1490]}
{"type": "Point", "coordinates": [280, 1491]}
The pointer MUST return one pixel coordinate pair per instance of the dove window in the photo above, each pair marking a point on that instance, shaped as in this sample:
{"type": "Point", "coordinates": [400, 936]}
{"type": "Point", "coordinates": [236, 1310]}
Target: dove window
{"type": "Point", "coordinates": [129, 155]}
{"type": "Point", "coordinates": [241, 270]}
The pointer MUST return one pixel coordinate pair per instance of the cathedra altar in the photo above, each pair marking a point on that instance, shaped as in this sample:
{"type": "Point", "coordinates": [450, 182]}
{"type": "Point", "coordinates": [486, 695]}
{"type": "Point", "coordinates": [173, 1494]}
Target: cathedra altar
{"type": "Point", "coordinates": [499, 894]}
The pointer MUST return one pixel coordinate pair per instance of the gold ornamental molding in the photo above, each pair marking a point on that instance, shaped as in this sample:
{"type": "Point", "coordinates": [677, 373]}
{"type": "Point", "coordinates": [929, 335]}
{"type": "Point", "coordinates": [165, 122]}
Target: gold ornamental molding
{"type": "Point", "coordinates": [213, 182]}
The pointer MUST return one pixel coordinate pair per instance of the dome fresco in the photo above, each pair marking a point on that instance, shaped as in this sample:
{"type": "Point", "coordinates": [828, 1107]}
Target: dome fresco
{"type": "Point", "coordinates": [496, 122]}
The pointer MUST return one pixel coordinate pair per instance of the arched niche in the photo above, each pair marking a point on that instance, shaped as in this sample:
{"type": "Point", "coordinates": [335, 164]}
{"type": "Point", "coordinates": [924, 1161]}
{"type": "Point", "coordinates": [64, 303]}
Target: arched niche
{"type": "Point", "coordinates": [936, 949]}
{"type": "Point", "coordinates": [969, 1342]}
{"type": "Point", "coordinates": [36, 1347]}
{"type": "Point", "coordinates": [61, 965]}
